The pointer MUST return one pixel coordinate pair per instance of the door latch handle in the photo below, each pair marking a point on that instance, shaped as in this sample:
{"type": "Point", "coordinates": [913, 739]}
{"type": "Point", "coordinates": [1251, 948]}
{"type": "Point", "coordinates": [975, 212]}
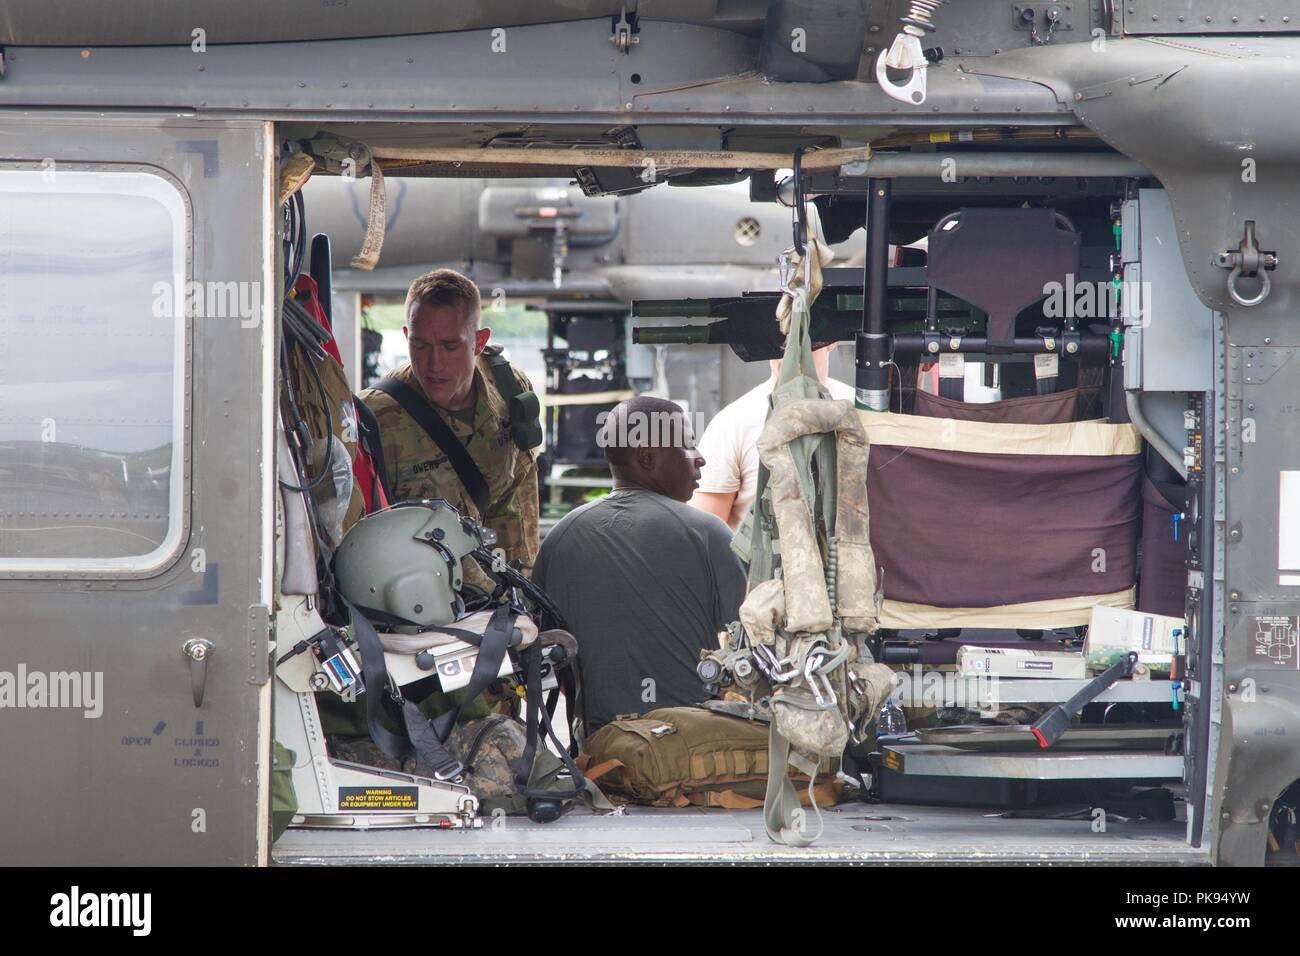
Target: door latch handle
{"type": "Point", "coordinates": [198, 650]}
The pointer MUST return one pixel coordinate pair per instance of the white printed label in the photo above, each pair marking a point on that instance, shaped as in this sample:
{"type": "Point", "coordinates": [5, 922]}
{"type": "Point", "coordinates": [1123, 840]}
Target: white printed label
{"type": "Point", "coordinates": [1045, 366]}
{"type": "Point", "coordinates": [952, 365]}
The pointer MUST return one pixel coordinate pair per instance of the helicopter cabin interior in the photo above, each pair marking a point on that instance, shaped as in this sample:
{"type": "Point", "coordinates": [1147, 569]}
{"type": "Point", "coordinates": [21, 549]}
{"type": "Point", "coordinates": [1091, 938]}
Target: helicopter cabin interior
{"type": "Point", "coordinates": [1057, 484]}
{"type": "Point", "coordinates": [1060, 467]}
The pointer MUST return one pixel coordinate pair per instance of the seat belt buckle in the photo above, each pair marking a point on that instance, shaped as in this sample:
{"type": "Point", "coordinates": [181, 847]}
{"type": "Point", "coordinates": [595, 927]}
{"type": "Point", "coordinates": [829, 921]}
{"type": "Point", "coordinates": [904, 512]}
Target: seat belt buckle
{"type": "Point", "coordinates": [337, 663]}
{"type": "Point", "coordinates": [450, 772]}
{"type": "Point", "coordinates": [549, 680]}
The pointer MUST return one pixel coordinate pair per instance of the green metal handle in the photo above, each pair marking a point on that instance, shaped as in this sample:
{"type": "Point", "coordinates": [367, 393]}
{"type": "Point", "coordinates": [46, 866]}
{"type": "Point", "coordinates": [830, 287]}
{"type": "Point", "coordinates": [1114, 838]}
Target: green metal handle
{"type": "Point", "coordinates": [671, 335]}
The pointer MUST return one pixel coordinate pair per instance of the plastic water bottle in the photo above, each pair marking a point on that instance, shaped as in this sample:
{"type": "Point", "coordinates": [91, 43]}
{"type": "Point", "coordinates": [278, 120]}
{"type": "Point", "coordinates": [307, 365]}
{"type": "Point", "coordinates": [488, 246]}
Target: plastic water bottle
{"type": "Point", "coordinates": [891, 720]}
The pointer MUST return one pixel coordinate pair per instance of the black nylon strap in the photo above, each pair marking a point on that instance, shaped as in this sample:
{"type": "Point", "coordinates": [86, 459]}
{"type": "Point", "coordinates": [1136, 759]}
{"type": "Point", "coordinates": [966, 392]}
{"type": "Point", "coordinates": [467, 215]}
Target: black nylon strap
{"type": "Point", "coordinates": [432, 758]}
{"type": "Point", "coordinates": [375, 675]}
{"type": "Point", "coordinates": [539, 722]}
{"type": "Point", "coordinates": [568, 681]}
{"type": "Point", "coordinates": [491, 654]}
{"type": "Point", "coordinates": [425, 738]}
{"type": "Point", "coordinates": [430, 755]}
{"type": "Point", "coordinates": [469, 637]}
{"type": "Point", "coordinates": [471, 478]}
{"type": "Point", "coordinates": [368, 438]}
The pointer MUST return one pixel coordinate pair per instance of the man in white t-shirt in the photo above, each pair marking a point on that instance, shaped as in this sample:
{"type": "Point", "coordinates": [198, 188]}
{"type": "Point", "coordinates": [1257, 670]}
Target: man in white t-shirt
{"type": "Point", "coordinates": [729, 477]}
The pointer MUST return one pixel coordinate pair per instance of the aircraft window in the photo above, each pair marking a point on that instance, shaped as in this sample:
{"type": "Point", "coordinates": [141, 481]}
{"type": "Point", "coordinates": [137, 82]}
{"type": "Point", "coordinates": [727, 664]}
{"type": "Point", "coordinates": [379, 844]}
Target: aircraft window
{"type": "Point", "coordinates": [92, 369]}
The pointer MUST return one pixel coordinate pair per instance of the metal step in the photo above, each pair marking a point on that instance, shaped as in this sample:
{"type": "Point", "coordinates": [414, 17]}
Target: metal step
{"type": "Point", "coordinates": [933, 760]}
{"type": "Point", "coordinates": [854, 832]}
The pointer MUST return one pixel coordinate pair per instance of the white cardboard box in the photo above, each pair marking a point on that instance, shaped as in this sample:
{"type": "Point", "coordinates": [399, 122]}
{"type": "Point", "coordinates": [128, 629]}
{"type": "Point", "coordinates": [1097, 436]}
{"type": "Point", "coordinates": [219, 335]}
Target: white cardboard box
{"type": "Point", "coordinates": [1151, 635]}
{"type": "Point", "coordinates": [1020, 662]}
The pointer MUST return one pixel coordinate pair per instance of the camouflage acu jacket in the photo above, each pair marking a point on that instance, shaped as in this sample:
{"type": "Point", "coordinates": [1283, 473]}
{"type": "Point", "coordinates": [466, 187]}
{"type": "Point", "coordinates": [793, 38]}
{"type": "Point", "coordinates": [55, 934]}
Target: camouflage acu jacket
{"type": "Point", "coordinates": [417, 468]}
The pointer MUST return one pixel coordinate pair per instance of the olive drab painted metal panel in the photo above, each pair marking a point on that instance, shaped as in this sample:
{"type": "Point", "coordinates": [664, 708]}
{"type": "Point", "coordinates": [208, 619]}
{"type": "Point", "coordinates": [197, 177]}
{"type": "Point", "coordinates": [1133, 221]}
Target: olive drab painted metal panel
{"type": "Point", "coordinates": [1255, 670]}
{"type": "Point", "coordinates": [152, 778]}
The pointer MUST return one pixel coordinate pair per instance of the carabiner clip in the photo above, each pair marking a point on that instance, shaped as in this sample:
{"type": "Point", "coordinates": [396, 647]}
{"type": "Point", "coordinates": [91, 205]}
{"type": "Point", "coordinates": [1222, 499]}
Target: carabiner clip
{"type": "Point", "coordinates": [784, 272]}
{"type": "Point", "coordinates": [904, 54]}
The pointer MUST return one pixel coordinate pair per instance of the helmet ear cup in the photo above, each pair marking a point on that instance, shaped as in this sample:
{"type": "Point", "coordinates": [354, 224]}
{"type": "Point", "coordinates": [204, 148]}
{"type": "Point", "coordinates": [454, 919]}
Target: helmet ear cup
{"type": "Point", "coordinates": [412, 596]}
{"type": "Point", "coordinates": [405, 562]}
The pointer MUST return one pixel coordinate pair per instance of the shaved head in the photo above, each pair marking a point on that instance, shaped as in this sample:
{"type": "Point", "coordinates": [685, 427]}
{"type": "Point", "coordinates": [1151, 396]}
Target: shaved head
{"type": "Point", "coordinates": [648, 443]}
{"type": "Point", "coordinates": [640, 422]}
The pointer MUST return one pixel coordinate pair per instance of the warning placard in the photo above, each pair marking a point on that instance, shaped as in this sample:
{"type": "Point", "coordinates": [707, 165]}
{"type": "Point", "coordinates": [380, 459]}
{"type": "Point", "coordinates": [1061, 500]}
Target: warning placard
{"type": "Point", "coordinates": [379, 798]}
{"type": "Point", "coordinates": [1273, 642]}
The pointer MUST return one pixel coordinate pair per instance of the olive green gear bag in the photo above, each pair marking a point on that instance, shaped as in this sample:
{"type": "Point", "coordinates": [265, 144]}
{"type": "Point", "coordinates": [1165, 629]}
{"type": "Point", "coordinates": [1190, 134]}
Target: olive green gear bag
{"type": "Point", "coordinates": [685, 756]}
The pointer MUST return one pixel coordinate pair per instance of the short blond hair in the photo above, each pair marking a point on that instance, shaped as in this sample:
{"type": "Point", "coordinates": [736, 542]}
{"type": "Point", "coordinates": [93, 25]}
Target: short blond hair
{"type": "Point", "coordinates": [444, 287]}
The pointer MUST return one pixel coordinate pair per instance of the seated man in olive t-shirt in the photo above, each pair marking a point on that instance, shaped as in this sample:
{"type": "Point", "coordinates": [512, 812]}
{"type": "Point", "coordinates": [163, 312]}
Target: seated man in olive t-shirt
{"type": "Point", "coordinates": [644, 580]}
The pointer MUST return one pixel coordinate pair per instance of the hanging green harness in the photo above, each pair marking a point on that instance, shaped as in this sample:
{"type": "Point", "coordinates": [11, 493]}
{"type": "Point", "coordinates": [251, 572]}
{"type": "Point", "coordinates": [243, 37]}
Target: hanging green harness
{"type": "Point", "coordinates": [812, 598]}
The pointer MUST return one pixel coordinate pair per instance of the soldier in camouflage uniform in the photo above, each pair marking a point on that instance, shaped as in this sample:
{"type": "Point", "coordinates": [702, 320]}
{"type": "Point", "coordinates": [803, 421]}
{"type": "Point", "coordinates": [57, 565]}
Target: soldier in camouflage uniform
{"type": "Point", "coordinates": [449, 371]}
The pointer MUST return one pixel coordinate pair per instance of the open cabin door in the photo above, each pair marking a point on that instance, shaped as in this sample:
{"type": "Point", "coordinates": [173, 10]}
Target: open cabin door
{"type": "Point", "coordinates": [136, 272]}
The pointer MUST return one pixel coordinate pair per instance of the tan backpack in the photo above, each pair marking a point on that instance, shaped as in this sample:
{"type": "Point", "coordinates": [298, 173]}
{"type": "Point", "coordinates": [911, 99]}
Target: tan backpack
{"type": "Point", "coordinates": [687, 756]}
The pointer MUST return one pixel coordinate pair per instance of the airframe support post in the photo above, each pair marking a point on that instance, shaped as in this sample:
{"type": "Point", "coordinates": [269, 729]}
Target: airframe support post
{"type": "Point", "coordinates": [872, 352]}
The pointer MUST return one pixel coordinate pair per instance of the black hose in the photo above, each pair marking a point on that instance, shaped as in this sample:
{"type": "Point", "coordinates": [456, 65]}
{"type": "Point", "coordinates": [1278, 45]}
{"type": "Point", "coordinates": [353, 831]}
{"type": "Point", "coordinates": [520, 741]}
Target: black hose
{"type": "Point", "coordinates": [300, 238]}
{"type": "Point", "coordinates": [299, 323]}
{"type": "Point", "coordinates": [297, 416]}
{"type": "Point", "coordinates": [295, 239]}
{"type": "Point", "coordinates": [510, 576]}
